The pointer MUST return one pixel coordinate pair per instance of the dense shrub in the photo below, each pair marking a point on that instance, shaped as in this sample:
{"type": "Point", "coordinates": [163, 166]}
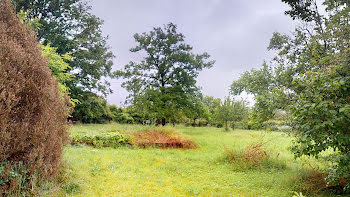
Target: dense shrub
{"type": "Point", "coordinates": [92, 109]}
{"type": "Point", "coordinates": [32, 111]}
{"type": "Point", "coordinates": [161, 138]}
{"type": "Point", "coordinates": [244, 124]}
{"type": "Point", "coordinates": [112, 139]}
{"type": "Point", "coordinates": [121, 115]}
{"type": "Point", "coordinates": [219, 125]}
{"type": "Point", "coordinates": [197, 123]}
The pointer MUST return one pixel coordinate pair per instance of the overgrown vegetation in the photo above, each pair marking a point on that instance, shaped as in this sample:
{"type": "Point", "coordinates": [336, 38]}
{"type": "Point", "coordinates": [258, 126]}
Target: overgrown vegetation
{"type": "Point", "coordinates": [178, 172]}
{"type": "Point", "coordinates": [32, 110]}
{"type": "Point", "coordinates": [111, 139]}
{"type": "Point", "coordinates": [157, 138]}
{"type": "Point", "coordinates": [309, 79]}
{"type": "Point", "coordinates": [303, 91]}
{"type": "Point", "coordinates": [254, 156]}
{"type": "Point", "coordinates": [161, 138]}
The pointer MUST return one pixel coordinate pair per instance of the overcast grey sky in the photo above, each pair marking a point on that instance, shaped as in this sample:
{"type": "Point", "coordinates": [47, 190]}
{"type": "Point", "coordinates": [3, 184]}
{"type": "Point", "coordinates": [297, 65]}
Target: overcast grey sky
{"type": "Point", "coordinates": [235, 33]}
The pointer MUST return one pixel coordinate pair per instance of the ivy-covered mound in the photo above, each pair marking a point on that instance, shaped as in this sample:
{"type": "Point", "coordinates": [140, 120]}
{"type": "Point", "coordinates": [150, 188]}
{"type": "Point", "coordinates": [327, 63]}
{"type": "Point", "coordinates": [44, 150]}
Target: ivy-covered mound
{"type": "Point", "coordinates": [112, 139]}
{"type": "Point", "coordinates": [32, 111]}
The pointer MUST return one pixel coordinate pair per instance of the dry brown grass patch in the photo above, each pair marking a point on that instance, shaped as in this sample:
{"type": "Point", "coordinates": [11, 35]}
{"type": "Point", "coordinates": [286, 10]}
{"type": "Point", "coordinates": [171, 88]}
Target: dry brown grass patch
{"type": "Point", "coordinates": [161, 138]}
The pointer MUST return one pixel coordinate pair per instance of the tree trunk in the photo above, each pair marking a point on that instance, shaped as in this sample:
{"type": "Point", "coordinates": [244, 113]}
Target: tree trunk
{"type": "Point", "coordinates": [226, 125]}
{"type": "Point", "coordinates": [163, 122]}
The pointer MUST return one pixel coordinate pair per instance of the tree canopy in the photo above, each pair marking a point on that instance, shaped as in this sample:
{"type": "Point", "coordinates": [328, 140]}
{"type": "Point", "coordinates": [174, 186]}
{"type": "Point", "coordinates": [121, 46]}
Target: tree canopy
{"type": "Point", "coordinates": [311, 79]}
{"type": "Point", "coordinates": [165, 80]}
{"type": "Point", "coordinates": [69, 27]}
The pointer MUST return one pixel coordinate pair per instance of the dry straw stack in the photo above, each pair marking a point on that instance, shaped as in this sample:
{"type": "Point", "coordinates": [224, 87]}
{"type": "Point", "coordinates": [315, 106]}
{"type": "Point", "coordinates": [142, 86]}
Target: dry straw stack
{"type": "Point", "coordinates": [32, 111]}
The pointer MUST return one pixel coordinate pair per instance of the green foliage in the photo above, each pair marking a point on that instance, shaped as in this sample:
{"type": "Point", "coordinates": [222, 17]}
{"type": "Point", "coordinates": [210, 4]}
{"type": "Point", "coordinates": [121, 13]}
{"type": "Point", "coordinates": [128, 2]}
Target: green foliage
{"type": "Point", "coordinates": [312, 77]}
{"type": "Point", "coordinates": [196, 112]}
{"type": "Point", "coordinates": [92, 109]}
{"type": "Point", "coordinates": [211, 105]}
{"type": "Point", "coordinates": [261, 84]}
{"type": "Point", "coordinates": [57, 62]}
{"type": "Point", "coordinates": [319, 91]}
{"type": "Point", "coordinates": [59, 67]}
{"type": "Point", "coordinates": [164, 82]}
{"type": "Point", "coordinates": [310, 80]}
{"type": "Point", "coordinates": [111, 139]}
{"type": "Point", "coordinates": [256, 82]}
{"type": "Point", "coordinates": [70, 27]}
{"type": "Point", "coordinates": [121, 115]}
{"type": "Point", "coordinates": [231, 111]}
{"type": "Point", "coordinates": [7, 175]}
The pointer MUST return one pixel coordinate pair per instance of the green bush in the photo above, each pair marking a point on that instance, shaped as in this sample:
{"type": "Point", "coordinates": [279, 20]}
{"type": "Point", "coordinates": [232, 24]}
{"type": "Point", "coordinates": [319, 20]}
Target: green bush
{"type": "Point", "coordinates": [219, 125]}
{"type": "Point", "coordinates": [112, 139]}
{"type": "Point", "coordinates": [92, 108]}
{"type": "Point", "coordinates": [244, 124]}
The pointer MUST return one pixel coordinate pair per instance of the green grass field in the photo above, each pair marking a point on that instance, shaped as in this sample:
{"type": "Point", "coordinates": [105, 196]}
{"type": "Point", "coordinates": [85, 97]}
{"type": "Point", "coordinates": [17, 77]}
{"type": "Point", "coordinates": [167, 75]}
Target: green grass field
{"type": "Point", "coordinates": [175, 172]}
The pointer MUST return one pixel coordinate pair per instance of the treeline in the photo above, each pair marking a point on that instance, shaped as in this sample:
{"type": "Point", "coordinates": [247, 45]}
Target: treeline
{"type": "Point", "coordinates": [210, 111]}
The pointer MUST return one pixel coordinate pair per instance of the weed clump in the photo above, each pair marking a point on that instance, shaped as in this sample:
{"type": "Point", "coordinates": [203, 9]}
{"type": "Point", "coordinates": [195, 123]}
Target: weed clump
{"type": "Point", "coordinates": [32, 110]}
{"type": "Point", "coordinates": [314, 181]}
{"type": "Point", "coordinates": [161, 138]}
{"type": "Point", "coordinates": [311, 181]}
{"type": "Point", "coordinates": [253, 157]}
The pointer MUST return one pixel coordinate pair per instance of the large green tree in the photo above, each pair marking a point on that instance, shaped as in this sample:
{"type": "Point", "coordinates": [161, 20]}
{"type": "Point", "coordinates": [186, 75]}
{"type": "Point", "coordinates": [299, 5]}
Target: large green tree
{"type": "Point", "coordinates": [68, 26]}
{"type": "Point", "coordinates": [311, 79]}
{"type": "Point", "coordinates": [319, 92]}
{"type": "Point", "coordinates": [211, 105]}
{"type": "Point", "coordinates": [165, 80]}
{"type": "Point", "coordinates": [262, 85]}
{"type": "Point", "coordinates": [231, 111]}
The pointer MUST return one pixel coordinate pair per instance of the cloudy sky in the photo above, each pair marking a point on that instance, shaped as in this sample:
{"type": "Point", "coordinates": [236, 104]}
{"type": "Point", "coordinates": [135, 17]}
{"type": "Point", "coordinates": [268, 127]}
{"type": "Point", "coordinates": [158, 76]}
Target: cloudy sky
{"type": "Point", "coordinates": [235, 33]}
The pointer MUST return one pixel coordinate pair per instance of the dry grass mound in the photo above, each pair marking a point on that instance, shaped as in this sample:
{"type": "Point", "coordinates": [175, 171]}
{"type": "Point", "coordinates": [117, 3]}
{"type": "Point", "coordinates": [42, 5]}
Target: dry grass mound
{"type": "Point", "coordinates": [161, 138]}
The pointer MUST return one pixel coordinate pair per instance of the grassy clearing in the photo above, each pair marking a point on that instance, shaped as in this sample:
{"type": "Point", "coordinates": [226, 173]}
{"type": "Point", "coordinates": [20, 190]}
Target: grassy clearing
{"type": "Point", "coordinates": [176, 172]}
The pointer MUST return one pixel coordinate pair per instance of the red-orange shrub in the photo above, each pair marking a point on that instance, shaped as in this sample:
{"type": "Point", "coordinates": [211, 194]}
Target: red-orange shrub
{"type": "Point", "coordinates": [161, 138]}
{"type": "Point", "coordinates": [32, 111]}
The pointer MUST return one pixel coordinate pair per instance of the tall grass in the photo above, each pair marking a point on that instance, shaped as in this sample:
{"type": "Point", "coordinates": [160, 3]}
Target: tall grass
{"type": "Point", "coordinates": [178, 172]}
{"type": "Point", "coordinates": [254, 156]}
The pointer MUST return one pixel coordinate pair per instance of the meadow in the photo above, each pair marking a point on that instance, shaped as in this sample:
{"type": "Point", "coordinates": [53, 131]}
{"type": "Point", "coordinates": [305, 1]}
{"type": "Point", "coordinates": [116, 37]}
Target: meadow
{"type": "Point", "coordinates": [204, 171]}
